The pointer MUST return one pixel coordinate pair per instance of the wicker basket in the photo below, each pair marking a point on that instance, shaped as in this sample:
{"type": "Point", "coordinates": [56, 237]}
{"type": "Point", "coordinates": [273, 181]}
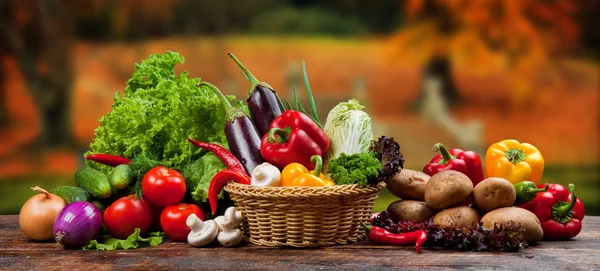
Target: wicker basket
{"type": "Point", "coordinates": [305, 216]}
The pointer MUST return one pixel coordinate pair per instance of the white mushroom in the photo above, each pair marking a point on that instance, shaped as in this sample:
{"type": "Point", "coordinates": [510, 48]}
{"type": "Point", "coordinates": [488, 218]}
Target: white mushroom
{"type": "Point", "coordinates": [228, 236]}
{"type": "Point", "coordinates": [203, 232]}
{"type": "Point", "coordinates": [234, 215]}
{"type": "Point", "coordinates": [265, 174]}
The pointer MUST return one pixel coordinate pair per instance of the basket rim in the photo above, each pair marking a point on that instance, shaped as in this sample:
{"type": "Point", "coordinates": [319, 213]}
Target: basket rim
{"type": "Point", "coordinates": [302, 191]}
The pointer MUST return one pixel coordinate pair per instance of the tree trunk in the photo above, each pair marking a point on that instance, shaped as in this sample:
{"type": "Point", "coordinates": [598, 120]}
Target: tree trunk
{"type": "Point", "coordinates": [3, 90]}
{"type": "Point", "coordinates": [440, 68]}
{"type": "Point", "coordinates": [42, 47]}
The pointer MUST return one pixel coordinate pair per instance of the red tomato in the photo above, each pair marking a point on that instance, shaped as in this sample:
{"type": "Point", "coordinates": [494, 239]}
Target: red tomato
{"type": "Point", "coordinates": [127, 213]}
{"type": "Point", "coordinates": [173, 219]}
{"type": "Point", "coordinates": [163, 187]}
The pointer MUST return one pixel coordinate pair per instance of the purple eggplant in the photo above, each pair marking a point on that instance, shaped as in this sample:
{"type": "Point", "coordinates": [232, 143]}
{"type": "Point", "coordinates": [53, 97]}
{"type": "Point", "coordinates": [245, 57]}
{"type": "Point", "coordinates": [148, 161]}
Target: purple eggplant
{"type": "Point", "coordinates": [242, 137]}
{"type": "Point", "coordinates": [263, 102]}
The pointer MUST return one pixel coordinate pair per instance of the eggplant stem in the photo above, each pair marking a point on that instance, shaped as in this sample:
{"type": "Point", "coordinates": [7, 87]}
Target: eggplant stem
{"type": "Point", "coordinates": [249, 76]}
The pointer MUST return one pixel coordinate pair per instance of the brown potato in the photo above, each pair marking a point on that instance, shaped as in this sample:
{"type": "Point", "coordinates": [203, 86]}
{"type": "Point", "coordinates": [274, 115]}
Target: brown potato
{"type": "Point", "coordinates": [462, 216]}
{"type": "Point", "coordinates": [408, 184]}
{"type": "Point", "coordinates": [504, 216]}
{"type": "Point", "coordinates": [446, 189]}
{"type": "Point", "coordinates": [493, 193]}
{"type": "Point", "coordinates": [401, 210]}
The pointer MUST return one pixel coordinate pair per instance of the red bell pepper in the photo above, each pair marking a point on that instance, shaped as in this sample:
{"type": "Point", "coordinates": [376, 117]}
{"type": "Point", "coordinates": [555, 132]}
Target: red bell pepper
{"type": "Point", "coordinates": [294, 138]}
{"type": "Point", "coordinates": [559, 210]}
{"type": "Point", "coordinates": [467, 162]}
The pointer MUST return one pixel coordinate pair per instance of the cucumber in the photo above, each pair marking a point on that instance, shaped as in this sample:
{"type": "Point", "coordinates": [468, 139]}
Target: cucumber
{"type": "Point", "coordinates": [101, 206]}
{"type": "Point", "coordinates": [121, 176]}
{"type": "Point", "coordinates": [94, 182]}
{"type": "Point", "coordinates": [71, 193]}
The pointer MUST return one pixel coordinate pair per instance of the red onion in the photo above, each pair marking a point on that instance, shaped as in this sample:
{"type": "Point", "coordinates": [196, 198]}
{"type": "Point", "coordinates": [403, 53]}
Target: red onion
{"type": "Point", "coordinates": [77, 224]}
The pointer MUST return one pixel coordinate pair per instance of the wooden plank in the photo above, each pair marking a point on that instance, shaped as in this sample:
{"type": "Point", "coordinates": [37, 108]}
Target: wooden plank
{"type": "Point", "coordinates": [16, 252]}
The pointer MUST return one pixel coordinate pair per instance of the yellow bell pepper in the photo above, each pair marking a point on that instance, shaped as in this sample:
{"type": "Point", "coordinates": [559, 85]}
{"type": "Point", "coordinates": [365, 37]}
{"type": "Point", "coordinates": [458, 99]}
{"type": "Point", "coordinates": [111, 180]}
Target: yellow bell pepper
{"type": "Point", "coordinates": [314, 177]}
{"type": "Point", "coordinates": [291, 172]}
{"type": "Point", "coordinates": [514, 161]}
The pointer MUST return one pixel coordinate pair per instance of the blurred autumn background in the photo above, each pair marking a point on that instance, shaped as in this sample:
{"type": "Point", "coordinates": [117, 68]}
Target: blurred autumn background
{"type": "Point", "coordinates": [467, 73]}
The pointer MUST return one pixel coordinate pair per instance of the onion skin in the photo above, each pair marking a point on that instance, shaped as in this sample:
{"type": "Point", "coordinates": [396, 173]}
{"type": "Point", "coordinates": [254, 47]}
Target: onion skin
{"type": "Point", "coordinates": [37, 215]}
{"type": "Point", "coordinates": [77, 224]}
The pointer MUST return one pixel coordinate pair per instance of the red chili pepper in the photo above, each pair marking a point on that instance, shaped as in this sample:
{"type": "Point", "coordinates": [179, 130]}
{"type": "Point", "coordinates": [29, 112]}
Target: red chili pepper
{"type": "Point", "coordinates": [230, 161]}
{"type": "Point", "coordinates": [380, 235]}
{"type": "Point", "coordinates": [467, 162]}
{"type": "Point", "coordinates": [294, 138]}
{"type": "Point", "coordinates": [220, 180]}
{"type": "Point", "coordinates": [559, 210]}
{"type": "Point", "coordinates": [108, 159]}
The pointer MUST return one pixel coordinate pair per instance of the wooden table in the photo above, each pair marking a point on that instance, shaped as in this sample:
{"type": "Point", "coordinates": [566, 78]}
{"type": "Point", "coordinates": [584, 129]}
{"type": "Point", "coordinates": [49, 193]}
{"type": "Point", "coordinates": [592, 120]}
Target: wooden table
{"type": "Point", "coordinates": [16, 252]}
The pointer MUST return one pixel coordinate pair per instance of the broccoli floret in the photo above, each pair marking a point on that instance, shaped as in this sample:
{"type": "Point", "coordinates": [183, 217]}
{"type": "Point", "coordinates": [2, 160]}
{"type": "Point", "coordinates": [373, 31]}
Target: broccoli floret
{"type": "Point", "coordinates": [359, 168]}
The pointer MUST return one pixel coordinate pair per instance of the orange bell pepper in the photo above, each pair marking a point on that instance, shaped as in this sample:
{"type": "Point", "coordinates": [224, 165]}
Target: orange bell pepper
{"type": "Point", "coordinates": [514, 161]}
{"type": "Point", "coordinates": [291, 172]}
{"type": "Point", "coordinates": [315, 177]}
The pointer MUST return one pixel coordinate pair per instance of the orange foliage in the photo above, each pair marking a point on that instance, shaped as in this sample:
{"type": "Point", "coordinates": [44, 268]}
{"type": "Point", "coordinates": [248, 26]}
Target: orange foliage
{"type": "Point", "coordinates": [524, 38]}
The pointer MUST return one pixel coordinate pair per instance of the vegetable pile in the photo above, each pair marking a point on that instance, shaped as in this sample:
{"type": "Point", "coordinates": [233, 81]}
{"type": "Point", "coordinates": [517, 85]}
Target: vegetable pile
{"type": "Point", "coordinates": [161, 157]}
{"type": "Point", "coordinates": [459, 207]}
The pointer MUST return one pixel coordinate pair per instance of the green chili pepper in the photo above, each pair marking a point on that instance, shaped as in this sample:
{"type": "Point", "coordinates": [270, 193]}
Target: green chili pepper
{"type": "Point", "coordinates": [526, 191]}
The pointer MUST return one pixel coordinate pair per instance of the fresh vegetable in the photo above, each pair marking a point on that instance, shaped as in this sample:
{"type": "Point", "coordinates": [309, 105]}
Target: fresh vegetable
{"type": "Point", "coordinates": [408, 184]}
{"type": "Point", "coordinates": [293, 138]}
{"type": "Point", "coordinates": [514, 161]}
{"type": "Point", "coordinates": [313, 178]}
{"type": "Point", "coordinates": [94, 182]}
{"type": "Point", "coordinates": [467, 162]}
{"type": "Point", "coordinates": [265, 174]}
{"type": "Point", "coordinates": [77, 224]}
{"type": "Point", "coordinates": [559, 211]}
{"type": "Point", "coordinates": [359, 168]}
{"type": "Point", "coordinates": [220, 180]}
{"type": "Point", "coordinates": [36, 218]}
{"type": "Point", "coordinates": [158, 111]}
{"type": "Point", "coordinates": [99, 204]}
{"type": "Point", "coordinates": [532, 230]}
{"type": "Point", "coordinates": [409, 210]}
{"type": "Point", "coordinates": [202, 232]}
{"type": "Point", "coordinates": [121, 176]}
{"type": "Point", "coordinates": [234, 215]}
{"type": "Point", "coordinates": [228, 235]}
{"type": "Point", "coordinates": [242, 136]}
{"type": "Point", "coordinates": [493, 193]}
{"type": "Point", "coordinates": [447, 188]}
{"type": "Point", "coordinates": [461, 217]}
{"type": "Point", "coordinates": [108, 159]}
{"type": "Point", "coordinates": [505, 238]}
{"type": "Point", "coordinates": [163, 187]}
{"type": "Point", "coordinates": [198, 175]}
{"type": "Point", "coordinates": [126, 214]}
{"type": "Point", "coordinates": [262, 100]}
{"type": "Point", "coordinates": [526, 191]}
{"type": "Point", "coordinates": [291, 172]}
{"type": "Point", "coordinates": [226, 157]}
{"type": "Point", "coordinates": [70, 193]}
{"type": "Point", "coordinates": [388, 153]}
{"type": "Point", "coordinates": [172, 220]}
{"type": "Point", "coordinates": [380, 235]}
{"type": "Point", "coordinates": [348, 129]}
{"type": "Point", "coordinates": [107, 242]}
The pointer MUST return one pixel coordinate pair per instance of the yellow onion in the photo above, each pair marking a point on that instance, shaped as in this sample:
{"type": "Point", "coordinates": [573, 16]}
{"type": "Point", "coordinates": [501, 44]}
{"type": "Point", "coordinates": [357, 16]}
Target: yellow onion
{"type": "Point", "coordinates": [37, 215]}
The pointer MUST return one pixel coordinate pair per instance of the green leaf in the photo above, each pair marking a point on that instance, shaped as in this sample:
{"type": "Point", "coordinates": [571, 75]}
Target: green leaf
{"type": "Point", "coordinates": [107, 242]}
{"type": "Point", "coordinates": [311, 99]}
{"type": "Point", "coordinates": [296, 101]}
{"type": "Point", "coordinates": [289, 106]}
{"type": "Point", "coordinates": [158, 111]}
